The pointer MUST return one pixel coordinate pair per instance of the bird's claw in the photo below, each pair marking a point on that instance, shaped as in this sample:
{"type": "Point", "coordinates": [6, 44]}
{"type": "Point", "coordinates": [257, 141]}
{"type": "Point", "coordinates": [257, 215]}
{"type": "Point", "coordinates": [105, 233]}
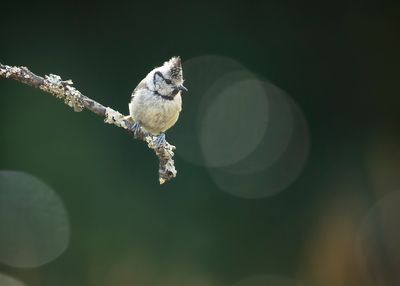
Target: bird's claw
{"type": "Point", "coordinates": [136, 129]}
{"type": "Point", "coordinates": [160, 140]}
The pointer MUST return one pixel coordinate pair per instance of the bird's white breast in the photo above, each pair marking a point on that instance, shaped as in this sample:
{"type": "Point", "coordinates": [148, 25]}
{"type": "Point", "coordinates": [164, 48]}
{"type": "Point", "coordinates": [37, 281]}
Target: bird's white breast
{"type": "Point", "coordinates": [153, 112]}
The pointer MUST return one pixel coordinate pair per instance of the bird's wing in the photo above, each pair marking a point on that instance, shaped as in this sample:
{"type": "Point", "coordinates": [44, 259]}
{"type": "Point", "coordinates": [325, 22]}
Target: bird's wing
{"type": "Point", "coordinates": [141, 85]}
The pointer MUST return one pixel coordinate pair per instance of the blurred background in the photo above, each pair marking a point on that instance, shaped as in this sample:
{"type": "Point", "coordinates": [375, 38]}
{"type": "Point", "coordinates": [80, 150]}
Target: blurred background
{"type": "Point", "coordinates": [287, 154]}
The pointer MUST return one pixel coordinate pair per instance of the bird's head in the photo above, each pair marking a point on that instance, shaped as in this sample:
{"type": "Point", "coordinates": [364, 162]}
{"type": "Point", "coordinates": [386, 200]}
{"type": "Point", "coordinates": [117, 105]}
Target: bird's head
{"type": "Point", "coordinates": [167, 80]}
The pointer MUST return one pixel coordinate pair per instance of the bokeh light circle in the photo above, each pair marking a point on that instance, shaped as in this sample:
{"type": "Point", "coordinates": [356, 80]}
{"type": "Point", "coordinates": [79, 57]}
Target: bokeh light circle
{"type": "Point", "coordinates": [276, 136]}
{"type": "Point", "coordinates": [34, 227]}
{"type": "Point", "coordinates": [234, 123]}
{"type": "Point", "coordinates": [6, 280]}
{"type": "Point", "coordinates": [267, 280]}
{"type": "Point", "coordinates": [271, 167]}
{"type": "Point", "coordinates": [379, 250]}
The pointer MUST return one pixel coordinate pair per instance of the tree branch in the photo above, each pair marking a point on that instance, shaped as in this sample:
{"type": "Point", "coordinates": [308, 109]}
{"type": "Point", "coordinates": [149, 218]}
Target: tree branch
{"type": "Point", "coordinates": [72, 97]}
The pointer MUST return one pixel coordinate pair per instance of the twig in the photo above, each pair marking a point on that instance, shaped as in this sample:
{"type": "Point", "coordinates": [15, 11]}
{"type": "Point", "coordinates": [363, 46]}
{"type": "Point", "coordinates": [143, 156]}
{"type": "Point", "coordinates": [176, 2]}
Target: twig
{"type": "Point", "coordinates": [63, 89]}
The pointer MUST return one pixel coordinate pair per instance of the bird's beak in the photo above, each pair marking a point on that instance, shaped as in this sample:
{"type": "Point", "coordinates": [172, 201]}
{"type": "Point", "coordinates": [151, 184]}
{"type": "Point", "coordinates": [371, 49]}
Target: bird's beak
{"type": "Point", "coordinates": [182, 88]}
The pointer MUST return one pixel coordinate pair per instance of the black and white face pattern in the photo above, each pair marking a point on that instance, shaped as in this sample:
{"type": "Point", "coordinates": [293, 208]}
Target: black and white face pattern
{"type": "Point", "coordinates": [164, 85]}
{"type": "Point", "coordinates": [168, 79]}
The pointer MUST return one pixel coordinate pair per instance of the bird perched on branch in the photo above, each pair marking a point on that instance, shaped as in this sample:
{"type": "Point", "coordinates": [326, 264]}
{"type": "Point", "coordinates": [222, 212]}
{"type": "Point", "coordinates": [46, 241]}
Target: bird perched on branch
{"type": "Point", "coordinates": [156, 101]}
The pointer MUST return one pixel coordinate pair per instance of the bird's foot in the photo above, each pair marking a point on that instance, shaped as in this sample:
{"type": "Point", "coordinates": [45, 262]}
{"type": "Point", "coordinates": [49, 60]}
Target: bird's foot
{"type": "Point", "coordinates": [160, 140]}
{"type": "Point", "coordinates": [136, 129]}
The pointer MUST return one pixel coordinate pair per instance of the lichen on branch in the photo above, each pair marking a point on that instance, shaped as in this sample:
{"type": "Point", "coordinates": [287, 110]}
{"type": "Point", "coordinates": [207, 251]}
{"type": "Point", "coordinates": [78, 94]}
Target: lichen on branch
{"type": "Point", "coordinates": [63, 89]}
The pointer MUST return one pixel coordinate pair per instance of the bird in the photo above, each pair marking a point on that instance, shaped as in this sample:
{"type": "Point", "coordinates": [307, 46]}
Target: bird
{"type": "Point", "coordinates": [156, 101]}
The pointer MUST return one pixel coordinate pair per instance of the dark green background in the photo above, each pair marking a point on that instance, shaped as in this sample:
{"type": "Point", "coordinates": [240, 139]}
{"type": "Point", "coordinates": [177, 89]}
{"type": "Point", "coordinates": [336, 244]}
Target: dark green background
{"type": "Point", "coordinates": [339, 60]}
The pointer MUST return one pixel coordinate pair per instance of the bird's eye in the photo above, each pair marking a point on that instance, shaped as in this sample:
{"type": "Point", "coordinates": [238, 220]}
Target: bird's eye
{"type": "Point", "coordinates": [168, 81]}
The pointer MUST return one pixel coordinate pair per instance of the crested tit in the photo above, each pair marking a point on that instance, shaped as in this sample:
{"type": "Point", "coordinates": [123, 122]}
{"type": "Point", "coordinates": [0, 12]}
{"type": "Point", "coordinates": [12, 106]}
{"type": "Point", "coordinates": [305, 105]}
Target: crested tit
{"type": "Point", "coordinates": [156, 101]}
